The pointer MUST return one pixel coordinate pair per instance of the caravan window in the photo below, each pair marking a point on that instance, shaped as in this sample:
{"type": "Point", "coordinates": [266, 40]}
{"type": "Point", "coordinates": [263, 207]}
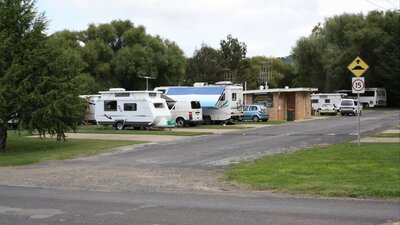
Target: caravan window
{"type": "Point", "coordinates": [158, 105]}
{"type": "Point", "coordinates": [233, 96]}
{"type": "Point", "coordinates": [314, 100]}
{"type": "Point", "coordinates": [110, 105]}
{"type": "Point", "coordinates": [130, 107]}
{"type": "Point", "coordinates": [327, 100]}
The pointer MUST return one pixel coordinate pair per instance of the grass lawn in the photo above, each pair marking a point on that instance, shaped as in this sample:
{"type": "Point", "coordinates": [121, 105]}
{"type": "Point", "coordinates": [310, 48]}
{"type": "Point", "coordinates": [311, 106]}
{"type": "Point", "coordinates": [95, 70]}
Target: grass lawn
{"type": "Point", "coordinates": [98, 129]}
{"type": "Point", "coordinates": [389, 135]}
{"type": "Point", "coordinates": [370, 171]}
{"type": "Point", "coordinates": [22, 150]}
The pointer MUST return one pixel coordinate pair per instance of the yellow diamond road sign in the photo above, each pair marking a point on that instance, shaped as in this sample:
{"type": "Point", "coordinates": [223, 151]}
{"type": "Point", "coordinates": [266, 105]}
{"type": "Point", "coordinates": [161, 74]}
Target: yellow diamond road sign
{"type": "Point", "coordinates": [358, 67]}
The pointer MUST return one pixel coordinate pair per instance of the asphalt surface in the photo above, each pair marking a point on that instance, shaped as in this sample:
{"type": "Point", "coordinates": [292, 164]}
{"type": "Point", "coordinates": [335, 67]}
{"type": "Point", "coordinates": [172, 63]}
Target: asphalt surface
{"type": "Point", "coordinates": [177, 183]}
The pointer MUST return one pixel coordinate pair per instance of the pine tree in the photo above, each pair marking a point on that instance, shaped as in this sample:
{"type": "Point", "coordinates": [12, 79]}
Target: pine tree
{"type": "Point", "coordinates": [38, 75]}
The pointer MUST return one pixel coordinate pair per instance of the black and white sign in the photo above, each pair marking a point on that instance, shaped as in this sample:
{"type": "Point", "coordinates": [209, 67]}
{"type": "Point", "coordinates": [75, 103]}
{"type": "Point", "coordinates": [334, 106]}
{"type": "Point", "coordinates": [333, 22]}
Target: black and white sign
{"type": "Point", "coordinates": [358, 85]}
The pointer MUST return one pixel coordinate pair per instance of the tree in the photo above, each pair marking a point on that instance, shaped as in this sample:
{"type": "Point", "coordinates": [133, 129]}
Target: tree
{"type": "Point", "coordinates": [322, 58]}
{"type": "Point", "coordinates": [36, 74]}
{"type": "Point", "coordinates": [120, 54]}
{"type": "Point", "coordinates": [204, 66]}
{"type": "Point", "coordinates": [281, 72]}
{"type": "Point", "coordinates": [234, 56]}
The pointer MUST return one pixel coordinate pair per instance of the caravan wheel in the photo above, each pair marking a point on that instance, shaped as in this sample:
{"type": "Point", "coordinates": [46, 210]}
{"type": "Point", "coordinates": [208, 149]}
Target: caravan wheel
{"type": "Point", "coordinates": [119, 126]}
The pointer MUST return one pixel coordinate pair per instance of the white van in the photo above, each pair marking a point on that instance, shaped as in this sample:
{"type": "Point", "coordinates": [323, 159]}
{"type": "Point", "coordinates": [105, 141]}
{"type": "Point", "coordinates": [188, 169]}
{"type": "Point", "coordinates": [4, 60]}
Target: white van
{"type": "Point", "coordinates": [136, 109]}
{"type": "Point", "coordinates": [187, 113]}
{"type": "Point", "coordinates": [350, 106]}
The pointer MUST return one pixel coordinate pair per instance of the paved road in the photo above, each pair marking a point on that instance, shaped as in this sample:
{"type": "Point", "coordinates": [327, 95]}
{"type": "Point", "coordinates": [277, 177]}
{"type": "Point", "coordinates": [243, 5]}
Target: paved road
{"type": "Point", "coordinates": [177, 182]}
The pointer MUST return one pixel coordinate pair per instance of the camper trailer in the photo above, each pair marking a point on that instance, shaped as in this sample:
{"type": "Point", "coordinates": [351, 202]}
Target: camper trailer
{"type": "Point", "coordinates": [221, 102]}
{"type": "Point", "coordinates": [122, 108]}
{"type": "Point", "coordinates": [90, 108]}
{"type": "Point", "coordinates": [318, 99]}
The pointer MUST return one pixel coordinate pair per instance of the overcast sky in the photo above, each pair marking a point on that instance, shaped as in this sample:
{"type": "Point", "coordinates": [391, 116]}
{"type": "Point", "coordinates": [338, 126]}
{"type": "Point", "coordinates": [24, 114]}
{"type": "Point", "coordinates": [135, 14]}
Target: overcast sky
{"type": "Point", "coordinates": [269, 28]}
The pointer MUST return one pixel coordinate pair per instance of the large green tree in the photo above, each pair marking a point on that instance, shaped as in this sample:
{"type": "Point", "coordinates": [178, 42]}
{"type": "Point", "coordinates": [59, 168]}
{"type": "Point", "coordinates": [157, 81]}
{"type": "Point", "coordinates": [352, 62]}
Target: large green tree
{"type": "Point", "coordinates": [121, 54]}
{"type": "Point", "coordinates": [234, 57]}
{"type": "Point", "coordinates": [211, 65]}
{"type": "Point", "coordinates": [204, 66]}
{"type": "Point", "coordinates": [37, 74]}
{"type": "Point", "coordinates": [322, 58]}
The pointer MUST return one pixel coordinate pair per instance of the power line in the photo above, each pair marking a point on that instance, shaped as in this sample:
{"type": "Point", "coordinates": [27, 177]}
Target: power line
{"type": "Point", "coordinates": [376, 5]}
{"type": "Point", "coordinates": [391, 3]}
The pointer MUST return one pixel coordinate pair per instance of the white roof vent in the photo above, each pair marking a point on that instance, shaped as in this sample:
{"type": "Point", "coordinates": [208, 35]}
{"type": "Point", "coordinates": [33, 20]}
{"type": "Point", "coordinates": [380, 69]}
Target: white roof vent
{"type": "Point", "coordinates": [117, 89]}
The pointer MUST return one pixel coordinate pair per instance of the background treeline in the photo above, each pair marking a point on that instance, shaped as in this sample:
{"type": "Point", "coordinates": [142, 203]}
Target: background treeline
{"type": "Point", "coordinates": [41, 76]}
{"type": "Point", "coordinates": [118, 54]}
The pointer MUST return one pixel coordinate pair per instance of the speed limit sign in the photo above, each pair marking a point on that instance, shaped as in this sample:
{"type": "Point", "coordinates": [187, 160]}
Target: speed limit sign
{"type": "Point", "coordinates": [358, 85]}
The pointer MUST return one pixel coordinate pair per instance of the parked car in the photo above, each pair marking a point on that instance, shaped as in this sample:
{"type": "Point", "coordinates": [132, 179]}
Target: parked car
{"type": "Point", "coordinates": [187, 113]}
{"type": "Point", "coordinates": [350, 106]}
{"type": "Point", "coordinates": [328, 108]}
{"type": "Point", "coordinates": [255, 113]}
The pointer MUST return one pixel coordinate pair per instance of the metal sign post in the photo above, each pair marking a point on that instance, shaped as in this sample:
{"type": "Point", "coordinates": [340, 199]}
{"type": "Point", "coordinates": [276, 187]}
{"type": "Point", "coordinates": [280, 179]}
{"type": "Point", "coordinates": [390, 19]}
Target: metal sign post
{"type": "Point", "coordinates": [358, 68]}
{"type": "Point", "coordinates": [358, 114]}
{"type": "Point", "coordinates": [358, 86]}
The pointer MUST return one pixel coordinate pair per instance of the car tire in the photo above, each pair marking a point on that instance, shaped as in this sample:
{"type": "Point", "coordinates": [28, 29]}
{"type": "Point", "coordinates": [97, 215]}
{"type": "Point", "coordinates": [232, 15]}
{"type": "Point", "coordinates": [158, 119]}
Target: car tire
{"type": "Point", "coordinates": [180, 122]}
{"type": "Point", "coordinates": [207, 120]}
{"type": "Point", "coordinates": [255, 119]}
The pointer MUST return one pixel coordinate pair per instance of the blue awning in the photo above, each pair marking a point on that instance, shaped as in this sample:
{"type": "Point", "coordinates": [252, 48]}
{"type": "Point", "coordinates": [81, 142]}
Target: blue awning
{"type": "Point", "coordinates": [207, 96]}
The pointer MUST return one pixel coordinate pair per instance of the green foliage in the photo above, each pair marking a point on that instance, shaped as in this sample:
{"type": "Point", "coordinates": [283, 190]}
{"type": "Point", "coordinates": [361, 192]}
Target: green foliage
{"type": "Point", "coordinates": [118, 54]}
{"type": "Point", "coordinates": [37, 73]}
{"type": "Point", "coordinates": [282, 73]}
{"type": "Point", "coordinates": [205, 66]}
{"type": "Point", "coordinates": [322, 58]}
{"type": "Point", "coordinates": [234, 56]}
{"type": "Point", "coordinates": [210, 65]}
{"type": "Point", "coordinates": [371, 170]}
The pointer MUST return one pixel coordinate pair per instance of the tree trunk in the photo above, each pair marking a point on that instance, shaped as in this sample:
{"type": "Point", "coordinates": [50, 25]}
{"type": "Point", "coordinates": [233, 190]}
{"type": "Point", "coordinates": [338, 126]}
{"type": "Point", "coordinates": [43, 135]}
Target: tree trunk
{"type": "Point", "coordinates": [3, 138]}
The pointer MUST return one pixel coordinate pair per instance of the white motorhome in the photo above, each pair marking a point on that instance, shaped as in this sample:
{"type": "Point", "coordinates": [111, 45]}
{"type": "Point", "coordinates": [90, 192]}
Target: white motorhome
{"type": "Point", "coordinates": [318, 99]}
{"type": "Point", "coordinates": [90, 108]}
{"type": "Point", "coordinates": [122, 108]}
{"type": "Point", "coordinates": [221, 102]}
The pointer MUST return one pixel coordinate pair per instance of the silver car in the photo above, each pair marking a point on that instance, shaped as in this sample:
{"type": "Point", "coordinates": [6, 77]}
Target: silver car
{"type": "Point", "coordinates": [328, 108]}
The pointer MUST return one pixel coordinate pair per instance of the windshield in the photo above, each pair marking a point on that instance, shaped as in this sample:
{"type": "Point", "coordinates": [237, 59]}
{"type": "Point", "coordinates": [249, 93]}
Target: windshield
{"type": "Point", "coordinates": [347, 103]}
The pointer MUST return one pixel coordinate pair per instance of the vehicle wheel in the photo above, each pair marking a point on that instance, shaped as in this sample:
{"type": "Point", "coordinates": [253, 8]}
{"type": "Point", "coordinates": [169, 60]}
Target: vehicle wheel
{"type": "Point", "coordinates": [255, 119]}
{"type": "Point", "coordinates": [342, 114]}
{"type": "Point", "coordinates": [207, 120]}
{"type": "Point", "coordinates": [180, 122]}
{"type": "Point", "coordinates": [119, 126]}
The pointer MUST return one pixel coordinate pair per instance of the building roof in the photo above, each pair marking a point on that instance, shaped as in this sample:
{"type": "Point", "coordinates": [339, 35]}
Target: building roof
{"type": "Point", "coordinates": [272, 90]}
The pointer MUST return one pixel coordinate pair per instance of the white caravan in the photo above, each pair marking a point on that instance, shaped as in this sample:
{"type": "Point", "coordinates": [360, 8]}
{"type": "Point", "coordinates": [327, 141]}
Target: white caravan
{"type": "Point", "coordinates": [221, 102]}
{"type": "Point", "coordinates": [136, 109]}
{"type": "Point", "coordinates": [318, 99]}
{"type": "Point", "coordinates": [90, 108]}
